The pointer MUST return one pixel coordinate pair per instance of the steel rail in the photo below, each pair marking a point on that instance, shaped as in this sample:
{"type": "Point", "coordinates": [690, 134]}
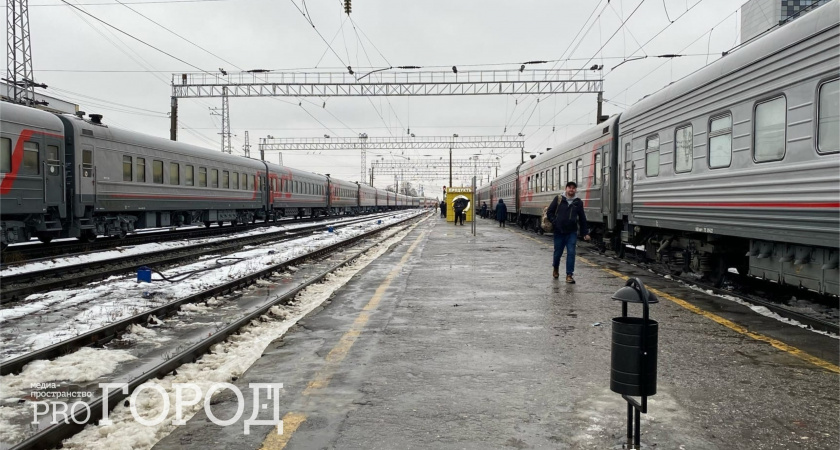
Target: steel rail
{"type": "Point", "coordinates": [18, 286]}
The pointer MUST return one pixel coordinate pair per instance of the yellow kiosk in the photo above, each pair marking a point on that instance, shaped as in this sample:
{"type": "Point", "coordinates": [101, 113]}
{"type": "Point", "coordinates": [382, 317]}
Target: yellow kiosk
{"type": "Point", "coordinates": [459, 192]}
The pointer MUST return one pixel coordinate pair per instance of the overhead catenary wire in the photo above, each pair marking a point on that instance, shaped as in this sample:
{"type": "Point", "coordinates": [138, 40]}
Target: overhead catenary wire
{"type": "Point", "coordinates": [134, 37]}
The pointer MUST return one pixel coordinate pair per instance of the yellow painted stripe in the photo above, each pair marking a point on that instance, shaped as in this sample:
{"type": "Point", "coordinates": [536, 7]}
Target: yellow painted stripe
{"type": "Point", "coordinates": [285, 430]}
{"type": "Point", "coordinates": [276, 441]}
{"type": "Point", "coordinates": [791, 350]}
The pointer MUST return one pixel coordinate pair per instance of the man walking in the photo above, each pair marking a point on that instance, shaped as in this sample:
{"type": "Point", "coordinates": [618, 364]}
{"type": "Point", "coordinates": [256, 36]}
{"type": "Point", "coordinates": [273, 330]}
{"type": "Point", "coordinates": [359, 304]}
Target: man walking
{"type": "Point", "coordinates": [501, 213]}
{"type": "Point", "coordinates": [566, 213]}
{"type": "Point", "coordinates": [443, 209]}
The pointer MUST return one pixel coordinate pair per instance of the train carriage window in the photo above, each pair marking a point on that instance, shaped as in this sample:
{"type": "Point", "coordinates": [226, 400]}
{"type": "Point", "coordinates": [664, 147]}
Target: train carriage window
{"type": "Point", "coordinates": [127, 168]}
{"type": "Point", "coordinates": [720, 141]}
{"type": "Point", "coordinates": [87, 163]}
{"type": "Point", "coordinates": [243, 183]}
{"type": "Point", "coordinates": [570, 173]}
{"type": "Point", "coordinates": [5, 155]}
{"type": "Point", "coordinates": [189, 175]}
{"type": "Point", "coordinates": [53, 161]}
{"type": "Point", "coordinates": [770, 130]}
{"type": "Point", "coordinates": [250, 182]}
{"type": "Point", "coordinates": [683, 149]}
{"type": "Point", "coordinates": [214, 178]}
{"type": "Point", "coordinates": [560, 182]}
{"type": "Point", "coordinates": [579, 169]}
{"type": "Point", "coordinates": [174, 174]}
{"type": "Point", "coordinates": [202, 177]}
{"type": "Point", "coordinates": [652, 156]}
{"type": "Point", "coordinates": [554, 179]}
{"type": "Point", "coordinates": [225, 179]}
{"type": "Point", "coordinates": [828, 120]}
{"type": "Point", "coordinates": [596, 179]}
{"type": "Point", "coordinates": [140, 166]}
{"type": "Point", "coordinates": [234, 182]}
{"type": "Point", "coordinates": [31, 158]}
{"type": "Point", "coordinates": [157, 172]}
{"type": "Point", "coordinates": [259, 182]}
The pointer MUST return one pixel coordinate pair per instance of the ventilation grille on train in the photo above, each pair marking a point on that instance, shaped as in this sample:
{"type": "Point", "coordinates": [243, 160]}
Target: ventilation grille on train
{"type": "Point", "coordinates": [87, 132]}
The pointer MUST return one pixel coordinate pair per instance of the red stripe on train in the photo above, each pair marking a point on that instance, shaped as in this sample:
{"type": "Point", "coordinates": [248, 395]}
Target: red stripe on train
{"type": "Point", "coordinates": [17, 158]}
{"type": "Point", "coordinates": [746, 204]}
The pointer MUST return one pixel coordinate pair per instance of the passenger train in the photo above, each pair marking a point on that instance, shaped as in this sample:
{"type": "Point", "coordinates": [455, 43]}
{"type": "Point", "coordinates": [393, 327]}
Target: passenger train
{"type": "Point", "coordinates": [736, 165]}
{"type": "Point", "coordinates": [65, 176]}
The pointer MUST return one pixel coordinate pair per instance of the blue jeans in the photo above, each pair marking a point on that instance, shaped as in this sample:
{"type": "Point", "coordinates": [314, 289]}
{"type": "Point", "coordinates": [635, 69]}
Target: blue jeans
{"type": "Point", "coordinates": [568, 242]}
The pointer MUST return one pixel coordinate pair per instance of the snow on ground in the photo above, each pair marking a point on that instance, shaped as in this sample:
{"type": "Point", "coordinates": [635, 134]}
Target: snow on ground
{"type": "Point", "coordinates": [145, 248]}
{"type": "Point", "coordinates": [763, 310]}
{"type": "Point", "coordinates": [116, 298]}
{"type": "Point", "coordinates": [228, 359]}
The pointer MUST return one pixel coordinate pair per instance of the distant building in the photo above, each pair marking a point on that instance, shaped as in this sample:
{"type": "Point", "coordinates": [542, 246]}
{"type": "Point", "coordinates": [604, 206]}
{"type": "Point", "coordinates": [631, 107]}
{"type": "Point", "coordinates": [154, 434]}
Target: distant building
{"type": "Point", "coordinates": [55, 105]}
{"type": "Point", "coordinates": [758, 16]}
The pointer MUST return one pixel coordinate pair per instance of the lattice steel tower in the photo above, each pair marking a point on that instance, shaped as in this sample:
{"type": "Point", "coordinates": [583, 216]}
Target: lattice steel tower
{"type": "Point", "coordinates": [21, 87]}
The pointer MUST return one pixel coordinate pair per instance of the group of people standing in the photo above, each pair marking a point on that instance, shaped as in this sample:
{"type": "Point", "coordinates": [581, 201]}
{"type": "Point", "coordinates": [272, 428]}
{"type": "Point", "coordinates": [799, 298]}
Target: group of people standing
{"type": "Point", "coordinates": [567, 218]}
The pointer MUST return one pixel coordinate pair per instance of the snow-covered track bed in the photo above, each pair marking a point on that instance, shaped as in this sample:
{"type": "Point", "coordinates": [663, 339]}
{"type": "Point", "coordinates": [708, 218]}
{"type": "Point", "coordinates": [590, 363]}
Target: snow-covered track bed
{"type": "Point", "coordinates": [34, 251]}
{"type": "Point", "coordinates": [343, 253]}
{"type": "Point", "coordinates": [17, 286]}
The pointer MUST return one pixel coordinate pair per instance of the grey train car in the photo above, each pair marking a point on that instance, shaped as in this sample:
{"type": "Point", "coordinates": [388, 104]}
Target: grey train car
{"type": "Point", "coordinates": [33, 201]}
{"type": "Point", "coordinates": [587, 160]}
{"type": "Point", "coordinates": [124, 180]}
{"type": "Point", "coordinates": [506, 188]}
{"type": "Point", "coordinates": [367, 198]}
{"type": "Point", "coordinates": [736, 165]}
{"type": "Point", "coordinates": [295, 193]}
{"type": "Point", "coordinates": [344, 197]}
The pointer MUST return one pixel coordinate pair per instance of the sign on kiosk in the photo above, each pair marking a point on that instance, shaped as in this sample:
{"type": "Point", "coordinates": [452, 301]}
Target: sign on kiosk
{"type": "Point", "coordinates": [459, 192]}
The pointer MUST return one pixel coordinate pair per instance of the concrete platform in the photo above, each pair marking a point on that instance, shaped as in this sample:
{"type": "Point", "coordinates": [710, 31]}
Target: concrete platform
{"type": "Point", "coordinates": [455, 342]}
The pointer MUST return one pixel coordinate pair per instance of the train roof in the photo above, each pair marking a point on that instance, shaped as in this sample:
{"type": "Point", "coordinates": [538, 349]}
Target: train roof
{"type": "Point", "coordinates": [28, 116]}
{"type": "Point", "coordinates": [590, 135]}
{"type": "Point", "coordinates": [824, 17]}
{"type": "Point", "coordinates": [116, 134]}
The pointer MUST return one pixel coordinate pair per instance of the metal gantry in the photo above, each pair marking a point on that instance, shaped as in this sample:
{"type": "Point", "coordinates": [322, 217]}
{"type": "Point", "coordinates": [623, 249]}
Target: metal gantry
{"type": "Point", "coordinates": [19, 75]}
{"type": "Point", "coordinates": [365, 143]}
{"type": "Point", "coordinates": [436, 168]}
{"type": "Point", "coordinates": [379, 83]}
{"type": "Point", "coordinates": [404, 83]}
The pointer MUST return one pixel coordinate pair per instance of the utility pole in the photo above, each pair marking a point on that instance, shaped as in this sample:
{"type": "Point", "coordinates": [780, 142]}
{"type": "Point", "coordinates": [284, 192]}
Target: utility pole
{"type": "Point", "coordinates": [371, 174]}
{"type": "Point", "coordinates": [247, 146]}
{"type": "Point", "coordinates": [19, 75]}
{"type": "Point", "coordinates": [363, 138]}
{"type": "Point", "coordinates": [225, 114]}
{"type": "Point", "coordinates": [173, 119]}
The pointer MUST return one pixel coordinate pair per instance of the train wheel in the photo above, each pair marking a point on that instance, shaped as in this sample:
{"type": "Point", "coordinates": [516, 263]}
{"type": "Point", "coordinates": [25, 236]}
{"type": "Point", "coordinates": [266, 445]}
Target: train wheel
{"type": "Point", "coordinates": [220, 223]}
{"type": "Point", "coordinates": [234, 222]}
{"type": "Point", "coordinates": [45, 239]}
{"type": "Point", "coordinates": [207, 224]}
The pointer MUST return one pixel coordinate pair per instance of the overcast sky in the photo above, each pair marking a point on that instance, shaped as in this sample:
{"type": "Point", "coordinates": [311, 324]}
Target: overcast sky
{"type": "Point", "coordinates": [109, 73]}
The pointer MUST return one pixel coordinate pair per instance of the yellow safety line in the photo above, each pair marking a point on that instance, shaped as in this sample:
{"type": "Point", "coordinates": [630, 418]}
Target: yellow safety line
{"type": "Point", "coordinates": [278, 440]}
{"type": "Point", "coordinates": [791, 350]}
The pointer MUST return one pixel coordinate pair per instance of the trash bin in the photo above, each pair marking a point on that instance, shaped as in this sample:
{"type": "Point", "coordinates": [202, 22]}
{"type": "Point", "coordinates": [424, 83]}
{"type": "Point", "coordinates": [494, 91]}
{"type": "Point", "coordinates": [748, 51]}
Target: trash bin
{"type": "Point", "coordinates": [627, 375]}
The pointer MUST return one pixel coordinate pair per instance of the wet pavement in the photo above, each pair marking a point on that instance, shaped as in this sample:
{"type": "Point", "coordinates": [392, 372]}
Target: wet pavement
{"type": "Point", "coordinates": [451, 341]}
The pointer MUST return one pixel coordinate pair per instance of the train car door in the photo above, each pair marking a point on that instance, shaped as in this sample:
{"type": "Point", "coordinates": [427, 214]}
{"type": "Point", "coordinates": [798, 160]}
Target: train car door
{"type": "Point", "coordinates": [53, 179]}
{"type": "Point", "coordinates": [626, 176]}
{"type": "Point", "coordinates": [87, 178]}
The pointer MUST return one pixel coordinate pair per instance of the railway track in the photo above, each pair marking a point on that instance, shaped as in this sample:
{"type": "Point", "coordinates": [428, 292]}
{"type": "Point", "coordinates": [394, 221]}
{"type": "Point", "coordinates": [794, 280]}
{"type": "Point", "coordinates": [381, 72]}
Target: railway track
{"type": "Point", "coordinates": [53, 435]}
{"type": "Point", "coordinates": [746, 283]}
{"type": "Point", "coordinates": [26, 253]}
{"type": "Point", "coordinates": [19, 286]}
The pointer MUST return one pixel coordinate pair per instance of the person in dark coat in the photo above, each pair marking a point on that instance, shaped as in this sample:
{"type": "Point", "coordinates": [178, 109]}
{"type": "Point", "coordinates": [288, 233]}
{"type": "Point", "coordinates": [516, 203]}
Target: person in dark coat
{"type": "Point", "coordinates": [566, 213]}
{"type": "Point", "coordinates": [459, 205]}
{"type": "Point", "coordinates": [443, 209]}
{"type": "Point", "coordinates": [501, 213]}
{"type": "Point", "coordinates": [484, 210]}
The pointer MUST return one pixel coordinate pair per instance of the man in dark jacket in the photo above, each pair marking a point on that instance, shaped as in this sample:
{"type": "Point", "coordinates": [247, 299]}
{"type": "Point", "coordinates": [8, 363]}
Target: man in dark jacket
{"type": "Point", "coordinates": [501, 213]}
{"type": "Point", "coordinates": [443, 209]}
{"type": "Point", "coordinates": [459, 205]}
{"type": "Point", "coordinates": [566, 213]}
{"type": "Point", "coordinates": [483, 210]}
